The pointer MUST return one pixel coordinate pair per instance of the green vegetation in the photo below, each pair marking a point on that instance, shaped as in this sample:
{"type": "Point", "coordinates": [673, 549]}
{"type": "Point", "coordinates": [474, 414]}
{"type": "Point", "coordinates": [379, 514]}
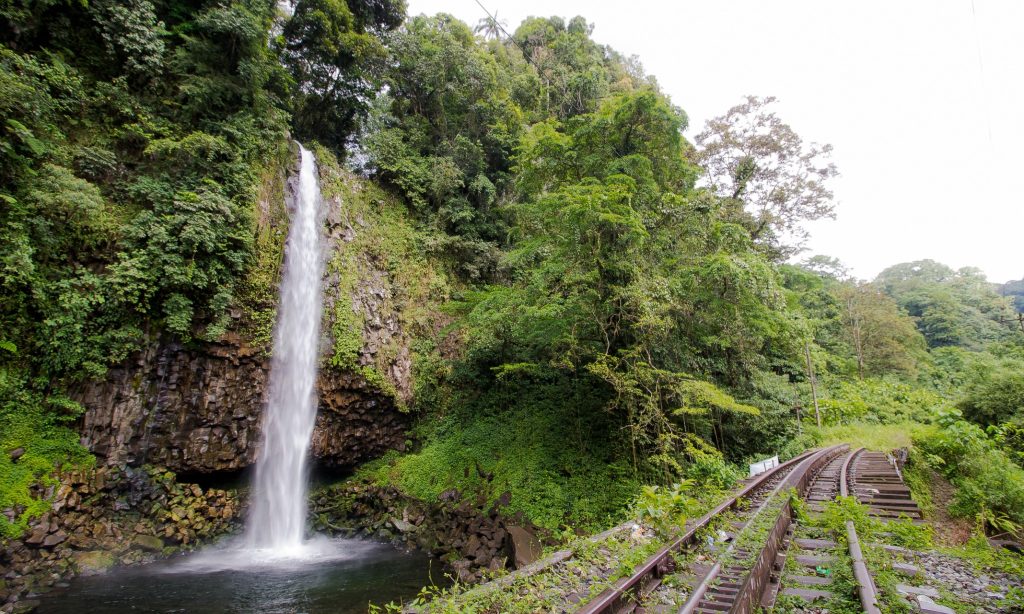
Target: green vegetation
{"type": "Point", "coordinates": [990, 486]}
{"type": "Point", "coordinates": [590, 304]}
{"type": "Point", "coordinates": [138, 140]}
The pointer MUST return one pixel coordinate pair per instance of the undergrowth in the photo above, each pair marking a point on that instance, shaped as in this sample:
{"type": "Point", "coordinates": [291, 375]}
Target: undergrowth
{"type": "Point", "coordinates": [530, 450]}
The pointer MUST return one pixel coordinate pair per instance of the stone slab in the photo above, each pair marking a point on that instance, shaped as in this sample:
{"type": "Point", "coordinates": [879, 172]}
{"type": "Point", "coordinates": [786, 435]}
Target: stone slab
{"type": "Point", "coordinates": [809, 594]}
{"type": "Point", "coordinates": [907, 569]}
{"type": "Point", "coordinates": [818, 580]}
{"type": "Point", "coordinates": [930, 607]}
{"type": "Point", "coordinates": [812, 561]}
{"type": "Point", "coordinates": [927, 591]}
{"type": "Point", "coordinates": [814, 544]}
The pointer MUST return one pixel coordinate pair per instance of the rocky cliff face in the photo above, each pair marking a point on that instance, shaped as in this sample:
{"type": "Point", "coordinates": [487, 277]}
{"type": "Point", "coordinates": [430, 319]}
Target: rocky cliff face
{"type": "Point", "coordinates": [199, 411]}
{"type": "Point", "coordinates": [197, 408]}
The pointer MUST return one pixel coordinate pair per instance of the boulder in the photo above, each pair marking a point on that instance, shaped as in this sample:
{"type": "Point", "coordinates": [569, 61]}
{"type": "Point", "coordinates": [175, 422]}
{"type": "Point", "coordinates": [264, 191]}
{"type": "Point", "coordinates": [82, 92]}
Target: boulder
{"type": "Point", "coordinates": [38, 535]}
{"type": "Point", "coordinates": [403, 526]}
{"type": "Point", "coordinates": [148, 542]}
{"type": "Point", "coordinates": [526, 548]}
{"type": "Point", "coordinates": [92, 562]}
{"type": "Point", "coordinates": [55, 538]}
{"type": "Point", "coordinates": [24, 606]}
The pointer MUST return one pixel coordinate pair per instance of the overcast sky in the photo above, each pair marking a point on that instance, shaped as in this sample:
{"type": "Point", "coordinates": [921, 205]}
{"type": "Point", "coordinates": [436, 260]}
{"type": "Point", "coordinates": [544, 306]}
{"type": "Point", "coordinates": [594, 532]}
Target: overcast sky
{"type": "Point", "coordinates": [923, 101]}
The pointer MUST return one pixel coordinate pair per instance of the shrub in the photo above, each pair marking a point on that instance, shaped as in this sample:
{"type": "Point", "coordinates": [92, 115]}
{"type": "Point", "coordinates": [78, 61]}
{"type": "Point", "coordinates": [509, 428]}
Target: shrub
{"type": "Point", "coordinates": [989, 484]}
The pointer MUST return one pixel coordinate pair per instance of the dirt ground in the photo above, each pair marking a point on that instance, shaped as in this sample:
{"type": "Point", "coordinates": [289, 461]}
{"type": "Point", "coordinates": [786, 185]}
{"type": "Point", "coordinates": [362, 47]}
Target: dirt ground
{"type": "Point", "coordinates": [949, 531]}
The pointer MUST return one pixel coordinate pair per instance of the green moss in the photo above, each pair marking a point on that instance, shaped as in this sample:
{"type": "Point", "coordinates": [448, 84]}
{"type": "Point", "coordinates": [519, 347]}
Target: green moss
{"type": "Point", "coordinates": [258, 290]}
{"type": "Point", "coordinates": [36, 423]}
{"type": "Point", "coordinates": [347, 330]}
{"type": "Point", "coordinates": [382, 240]}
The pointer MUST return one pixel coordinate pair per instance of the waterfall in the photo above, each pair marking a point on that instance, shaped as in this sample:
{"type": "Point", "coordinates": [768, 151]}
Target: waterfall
{"type": "Point", "coordinates": [277, 519]}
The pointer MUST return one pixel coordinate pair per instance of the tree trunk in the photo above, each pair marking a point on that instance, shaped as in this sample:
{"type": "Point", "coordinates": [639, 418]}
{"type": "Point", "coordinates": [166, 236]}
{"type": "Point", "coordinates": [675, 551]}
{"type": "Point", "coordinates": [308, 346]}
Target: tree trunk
{"type": "Point", "coordinates": [814, 384]}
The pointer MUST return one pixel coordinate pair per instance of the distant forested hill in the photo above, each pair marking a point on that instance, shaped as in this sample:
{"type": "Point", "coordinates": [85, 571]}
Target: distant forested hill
{"type": "Point", "coordinates": [1015, 290]}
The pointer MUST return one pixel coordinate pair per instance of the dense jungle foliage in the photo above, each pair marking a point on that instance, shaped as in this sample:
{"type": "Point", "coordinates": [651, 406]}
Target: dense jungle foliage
{"type": "Point", "coordinates": [624, 308]}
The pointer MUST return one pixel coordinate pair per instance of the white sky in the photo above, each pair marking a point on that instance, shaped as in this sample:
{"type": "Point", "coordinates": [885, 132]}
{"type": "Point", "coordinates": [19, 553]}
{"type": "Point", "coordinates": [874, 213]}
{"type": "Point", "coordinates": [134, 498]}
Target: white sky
{"type": "Point", "coordinates": [923, 101]}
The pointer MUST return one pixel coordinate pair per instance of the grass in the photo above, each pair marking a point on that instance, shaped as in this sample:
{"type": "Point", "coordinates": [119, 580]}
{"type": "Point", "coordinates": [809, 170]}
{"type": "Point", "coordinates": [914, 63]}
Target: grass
{"type": "Point", "coordinates": [878, 437]}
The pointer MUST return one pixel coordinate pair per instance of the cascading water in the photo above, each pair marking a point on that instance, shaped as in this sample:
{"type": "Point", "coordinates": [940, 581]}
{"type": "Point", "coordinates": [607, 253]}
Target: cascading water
{"type": "Point", "coordinates": [275, 530]}
{"type": "Point", "coordinates": [277, 520]}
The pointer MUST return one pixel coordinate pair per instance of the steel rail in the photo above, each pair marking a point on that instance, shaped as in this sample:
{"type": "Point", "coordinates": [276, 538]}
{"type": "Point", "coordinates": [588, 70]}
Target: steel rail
{"type": "Point", "coordinates": [844, 490]}
{"type": "Point", "coordinates": [698, 592]}
{"type": "Point", "coordinates": [659, 563]}
{"type": "Point", "coordinates": [865, 583]}
{"type": "Point", "coordinates": [757, 579]}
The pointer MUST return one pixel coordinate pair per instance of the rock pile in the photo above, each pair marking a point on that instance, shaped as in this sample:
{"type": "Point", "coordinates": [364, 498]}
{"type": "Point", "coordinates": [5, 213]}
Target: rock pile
{"type": "Point", "coordinates": [105, 516]}
{"type": "Point", "coordinates": [986, 592]}
{"type": "Point", "coordinates": [470, 535]}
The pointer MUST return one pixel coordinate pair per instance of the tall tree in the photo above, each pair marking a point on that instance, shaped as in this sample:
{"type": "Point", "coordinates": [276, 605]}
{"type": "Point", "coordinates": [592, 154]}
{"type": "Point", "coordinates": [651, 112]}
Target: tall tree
{"type": "Point", "coordinates": [752, 157]}
{"type": "Point", "coordinates": [883, 338]}
{"type": "Point", "coordinates": [490, 27]}
{"type": "Point", "coordinates": [335, 55]}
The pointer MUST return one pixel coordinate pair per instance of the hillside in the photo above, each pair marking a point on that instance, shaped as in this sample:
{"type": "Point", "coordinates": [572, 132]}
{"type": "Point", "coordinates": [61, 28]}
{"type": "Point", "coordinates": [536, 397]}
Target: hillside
{"type": "Point", "coordinates": [541, 299]}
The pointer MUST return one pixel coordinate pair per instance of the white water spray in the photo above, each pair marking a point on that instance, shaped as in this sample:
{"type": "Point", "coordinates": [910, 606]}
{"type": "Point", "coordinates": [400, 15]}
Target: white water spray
{"type": "Point", "coordinates": [277, 520]}
{"type": "Point", "coordinates": [274, 536]}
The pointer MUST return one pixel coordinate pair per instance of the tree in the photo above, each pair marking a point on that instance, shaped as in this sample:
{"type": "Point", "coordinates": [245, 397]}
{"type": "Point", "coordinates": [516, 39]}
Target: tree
{"type": "Point", "coordinates": [1014, 290]}
{"type": "Point", "coordinates": [490, 27]}
{"type": "Point", "coordinates": [750, 156]}
{"type": "Point", "coordinates": [951, 308]}
{"type": "Point", "coordinates": [995, 394]}
{"type": "Point", "coordinates": [883, 338]}
{"type": "Point", "coordinates": [826, 266]}
{"type": "Point", "coordinates": [335, 55]}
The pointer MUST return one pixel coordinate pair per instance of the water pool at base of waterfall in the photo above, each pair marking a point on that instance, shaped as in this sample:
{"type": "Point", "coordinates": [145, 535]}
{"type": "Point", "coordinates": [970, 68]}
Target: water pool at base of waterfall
{"type": "Point", "coordinates": [367, 573]}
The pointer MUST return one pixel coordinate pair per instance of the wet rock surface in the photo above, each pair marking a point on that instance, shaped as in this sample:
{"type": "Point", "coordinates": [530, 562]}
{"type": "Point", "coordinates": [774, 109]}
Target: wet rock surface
{"type": "Point", "coordinates": [199, 410]}
{"type": "Point", "coordinates": [471, 536]}
{"type": "Point", "coordinates": [354, 422]}
{"type": "Point", "coordinates": [186, 409]}
{"type": "Point", "coordinates": [106, 516]}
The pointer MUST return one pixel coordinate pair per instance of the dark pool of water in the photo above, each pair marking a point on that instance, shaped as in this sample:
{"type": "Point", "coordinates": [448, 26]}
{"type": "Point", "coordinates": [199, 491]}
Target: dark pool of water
{"type": "Point", "coordinates": [373, 573]}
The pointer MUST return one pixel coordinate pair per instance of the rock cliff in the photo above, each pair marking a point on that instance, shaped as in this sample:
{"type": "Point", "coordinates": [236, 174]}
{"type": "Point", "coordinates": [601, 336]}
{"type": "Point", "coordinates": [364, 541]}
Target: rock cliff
{"type": "Point", "coordinates": [196, 408]}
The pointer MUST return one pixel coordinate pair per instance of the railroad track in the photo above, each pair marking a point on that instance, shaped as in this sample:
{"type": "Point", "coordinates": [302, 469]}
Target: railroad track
{"type": "Point", "coordinates": [816, 555]}
{"type": "Point", "coordinates": [866, 590]}
{"type": "Point", "coordinates": [747, 570]}
{"type": "Point", "coordinates": [563, 559]}
{"type": "Point", "coordinates": [875, 480]}
{"type": "Point", "coordinates": [748, 574]}
{"type": "Point", "coordinates": [737, 581]}
{"type": "Point", "coordinates": [810, 552]}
